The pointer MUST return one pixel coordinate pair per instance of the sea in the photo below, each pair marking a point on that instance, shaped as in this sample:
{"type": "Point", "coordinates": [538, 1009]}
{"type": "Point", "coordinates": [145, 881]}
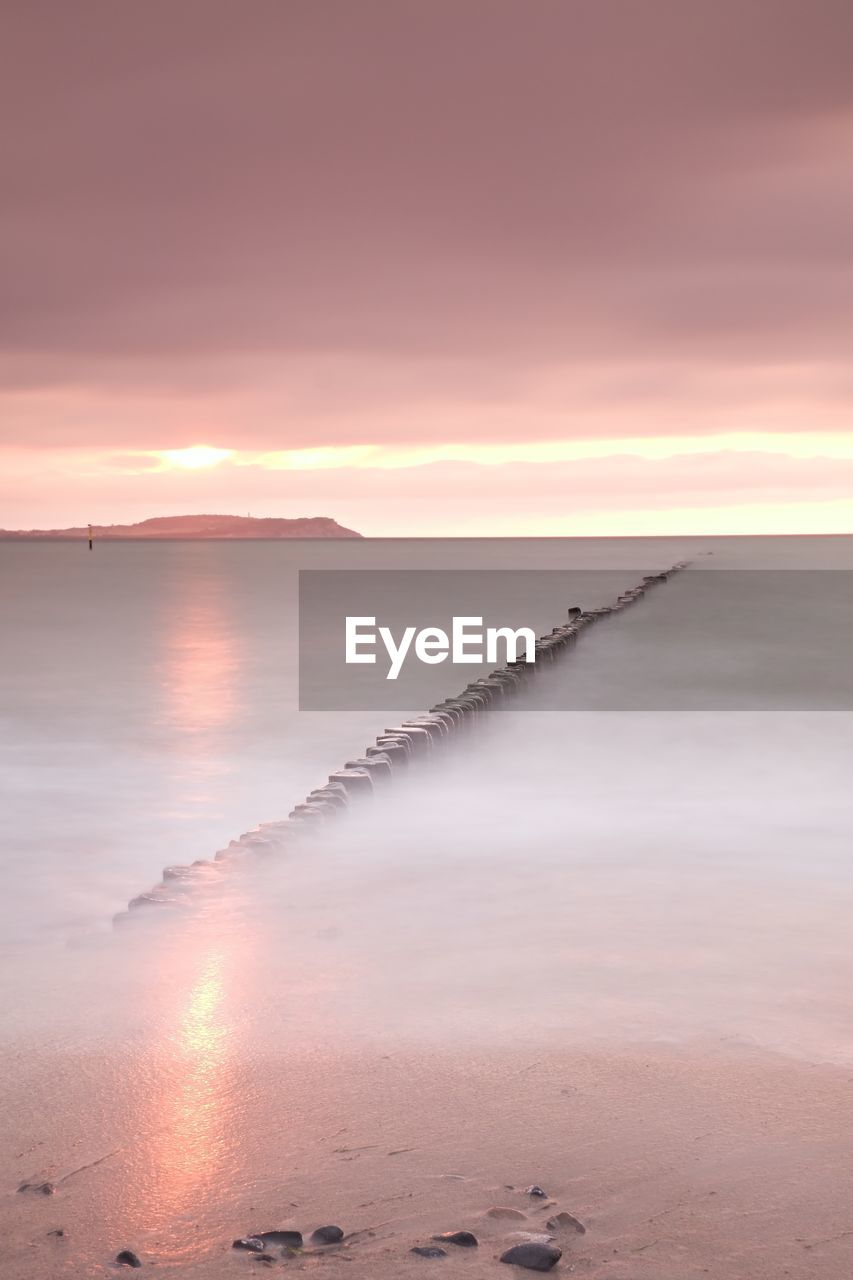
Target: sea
{"type": "Point", "coordinates": [685, 772]}
{"type": "Point", "coordinates": [649, 851]}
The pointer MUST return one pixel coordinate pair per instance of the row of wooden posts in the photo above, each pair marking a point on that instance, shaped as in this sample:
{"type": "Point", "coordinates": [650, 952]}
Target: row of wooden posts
{"type": "Point", "coordinates": [401, 746]}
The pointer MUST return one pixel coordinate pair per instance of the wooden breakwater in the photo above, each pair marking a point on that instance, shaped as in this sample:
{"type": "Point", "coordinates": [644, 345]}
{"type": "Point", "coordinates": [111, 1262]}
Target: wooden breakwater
{"type": "Point", "coordinates": [408, 745]}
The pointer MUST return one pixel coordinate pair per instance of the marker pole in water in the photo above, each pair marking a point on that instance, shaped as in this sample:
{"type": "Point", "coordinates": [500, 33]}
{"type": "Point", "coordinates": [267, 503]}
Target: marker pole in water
{"type": "Point", "coordinates": [90, 537]}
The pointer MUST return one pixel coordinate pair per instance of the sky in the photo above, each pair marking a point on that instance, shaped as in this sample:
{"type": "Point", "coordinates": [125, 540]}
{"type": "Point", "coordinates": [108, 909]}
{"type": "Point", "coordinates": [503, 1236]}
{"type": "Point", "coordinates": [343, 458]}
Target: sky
{"type": "Point", "coordinates": [509, 267]}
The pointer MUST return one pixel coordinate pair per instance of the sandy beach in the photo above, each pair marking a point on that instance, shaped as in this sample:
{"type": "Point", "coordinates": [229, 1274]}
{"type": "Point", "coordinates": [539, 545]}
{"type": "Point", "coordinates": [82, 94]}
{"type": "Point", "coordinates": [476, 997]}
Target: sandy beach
{"type": "Point", "coordinates": [679, 1162]}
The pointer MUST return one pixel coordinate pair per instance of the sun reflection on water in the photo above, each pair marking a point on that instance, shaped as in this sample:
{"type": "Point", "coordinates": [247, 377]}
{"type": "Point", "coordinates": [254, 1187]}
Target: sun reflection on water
{"type": "Point", "coordinates": [196, 1130]}
{"type": "Point", "coordinates": [201, 663]}
{"type": "Point", "coordinates": [201, 679]}
{"type": "Point", "coordinates": [189, 1098]}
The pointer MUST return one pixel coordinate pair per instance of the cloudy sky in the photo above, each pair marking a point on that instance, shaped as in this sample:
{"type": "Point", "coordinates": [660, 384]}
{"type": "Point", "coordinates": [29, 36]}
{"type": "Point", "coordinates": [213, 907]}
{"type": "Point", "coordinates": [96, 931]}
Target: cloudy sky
{"type": "Point", "coordinates": [429, 266]}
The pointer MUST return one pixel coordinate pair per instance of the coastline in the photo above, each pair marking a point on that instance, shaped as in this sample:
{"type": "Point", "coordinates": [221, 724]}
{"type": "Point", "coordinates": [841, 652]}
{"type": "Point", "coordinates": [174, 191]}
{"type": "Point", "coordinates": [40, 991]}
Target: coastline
{"type": "Point", "coordinates": [540, 969]}
{"type": "Point", "coordinates": [678, 1161]}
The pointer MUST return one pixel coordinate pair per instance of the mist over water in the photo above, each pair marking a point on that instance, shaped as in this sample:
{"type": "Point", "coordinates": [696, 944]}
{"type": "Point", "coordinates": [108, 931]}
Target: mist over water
{"type": "Point", "coordinates": [483, 944]}
{"type": "Point", "coordinates": [643, 878]}
{"type": "Point", "coordinates": [560, 875]}
{"type": "Point", "coordinates": [149, 704]}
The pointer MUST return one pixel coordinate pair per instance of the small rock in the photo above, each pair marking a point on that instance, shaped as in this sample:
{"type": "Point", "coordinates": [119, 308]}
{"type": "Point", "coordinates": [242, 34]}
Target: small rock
{"type": "Point", "coordinates": [290, 1239]}
{"type": "Point", "coordinates": [327, 1235]}
{"type": "Point", "coordinates": [535, 1257]}
{"type": "Point", "coordinates": [58, 1232]}
{"type": "Point", "coordinates": [536, 1191]}
{"type": "Point", "coordinates": [38, 1188]}
{"type": "Point", "coordinates": [504, 1211]}
{"type": "Point", "coordinates": [253, 1244]}
{"type": "Point", "coordinates": [267, 1258]}
{"type": "Point", "coordinates": [428, 1251]}
{"type": "Point", "coordinates": [466, 1239]}
{"type": "Point", "coordinates": [127, 1258]}
{"type": "Point", "coordinates": [566, 1220]}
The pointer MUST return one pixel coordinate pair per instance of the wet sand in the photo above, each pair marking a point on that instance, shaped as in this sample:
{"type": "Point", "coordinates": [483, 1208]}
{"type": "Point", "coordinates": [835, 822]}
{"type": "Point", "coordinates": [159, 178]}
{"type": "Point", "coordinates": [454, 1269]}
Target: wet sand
{"type": "Point", "coordinates": [701, 1160]}
{"type": "Point", "coordinates": [394, 1029]}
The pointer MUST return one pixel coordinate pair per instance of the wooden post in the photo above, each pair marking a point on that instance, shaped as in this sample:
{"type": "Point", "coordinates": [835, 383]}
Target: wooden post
{"type": "Point", "coordinates": [90, 537]}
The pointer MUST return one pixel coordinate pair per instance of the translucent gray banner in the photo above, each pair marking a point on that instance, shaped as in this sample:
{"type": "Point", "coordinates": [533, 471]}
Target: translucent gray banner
{"type": "Point", "coordinates": [702, 640]}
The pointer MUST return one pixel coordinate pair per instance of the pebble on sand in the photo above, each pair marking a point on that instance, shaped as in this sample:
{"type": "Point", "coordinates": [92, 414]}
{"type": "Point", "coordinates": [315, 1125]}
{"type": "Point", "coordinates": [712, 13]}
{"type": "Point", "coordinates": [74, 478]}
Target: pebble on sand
{"type": "Point", "coordinates": [535, 1257]}
{"type": "Point", "coordinates": [566, 1220]}
{"type": "Point", "coordinates": [537, 1191]}
{"type": "Point", "coordinates": [127, 1258]}
{"type": "Point", "coordinates": [327, 1235]}
{"type": "Point", "coordinates": [466, 1239]}
{"type": "Point", "coordinates": [429, 1251]}
{"type": "Point", "coordinates": [290, 1239]}
{"type": "Point", "coordinates": [38, 1188]}
{"type": "Point", "coordinates": [504, 1211]}
{"type": "Point", "coordinates": [253, 1244]}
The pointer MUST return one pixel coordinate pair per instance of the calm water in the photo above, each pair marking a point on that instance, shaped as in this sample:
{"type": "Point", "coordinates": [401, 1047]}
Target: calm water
{"type": "Point", "coordinates": [570, 878]}
{"type": "Point", "coordinates": [148, 692]}
{"type": "Point", "coordinates": [149, 699]}
{"type": "Point", "coordinates": [149, 715]}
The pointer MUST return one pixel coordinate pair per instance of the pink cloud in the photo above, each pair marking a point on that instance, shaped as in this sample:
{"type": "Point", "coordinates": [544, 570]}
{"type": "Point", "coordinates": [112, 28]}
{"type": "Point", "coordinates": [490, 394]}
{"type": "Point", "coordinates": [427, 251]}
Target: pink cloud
{"type": "Point", "coordinates": [292, 225]}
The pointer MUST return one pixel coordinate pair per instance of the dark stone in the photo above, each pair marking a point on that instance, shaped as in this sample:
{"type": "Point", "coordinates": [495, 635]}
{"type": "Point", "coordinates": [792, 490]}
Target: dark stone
{"type": "Point", "coordinates": [127, 1258]}
{"type": "Point", "coordinates": [179, 873]}
{"type": "Point", "coordinates": [430, 725]}
{"type": "Point", "coordinates": [396, 752]}
{"type": "Point", "coordinates": [318, 804]}
{"type": "Point", "coordinates": [536, 1191]}
{"type": "Point", "coordinates": [358, 782]}
{"type": "Point", "coordinates": [399, 738]}
{"type": "Point", "coordinates": [276, 832]}
{"type": "Point", "coordinates": [333, 796]}
{"type": "Point", "coordinates": [379, 767]}
{"type": "Point", "coordinates": [449, 711]}
{"type": "Point", "coordinates": [58, 1232]}
{"type": "Point", "coordinates": [419, 738]}
{"type": "Point", "coordinates": [535, 1257]}
{"type": "Point", "coordinates": [307, 813]}
{"type": "Point", "coordinates": [153, 898]}
{"type": "Point", "coordinates": [291, 1239]}
{"type": "Point", "coordinates": [428, 1251]}
{"type": "Point", "coordinates": [566, 1220]}
{"type": "Point", "coordinates": [466, 1239]}
{"type": "Point", "coordinates": [253, 1244]}
{"type": "Point", "coordinates": [38, 1188]}
{"type": "Point", "coordinates": [308, 819]}
{"type": "Point", "coordinates": [327, 1235]}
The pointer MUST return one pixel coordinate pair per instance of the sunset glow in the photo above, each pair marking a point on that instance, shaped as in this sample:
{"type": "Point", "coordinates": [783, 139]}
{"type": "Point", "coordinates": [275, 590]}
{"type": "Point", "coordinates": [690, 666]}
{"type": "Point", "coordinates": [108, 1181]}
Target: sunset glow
{"type": "Point", "coordinates": [789, 444]}
{"type": "Point", "coordinates": [195, 457]}
{"type": "Point", "coordinates": [444, 313]}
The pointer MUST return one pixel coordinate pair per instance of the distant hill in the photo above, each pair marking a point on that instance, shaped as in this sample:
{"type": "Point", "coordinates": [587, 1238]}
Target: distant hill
{"type": "Point", "coordinates": [196, 527]}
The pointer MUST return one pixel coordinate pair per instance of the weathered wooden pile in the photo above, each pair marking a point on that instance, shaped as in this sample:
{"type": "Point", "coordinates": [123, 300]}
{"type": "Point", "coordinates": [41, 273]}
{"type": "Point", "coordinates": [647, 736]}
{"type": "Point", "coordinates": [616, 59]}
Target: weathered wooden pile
{"type": "Point", "coordinates": [403, 746]}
